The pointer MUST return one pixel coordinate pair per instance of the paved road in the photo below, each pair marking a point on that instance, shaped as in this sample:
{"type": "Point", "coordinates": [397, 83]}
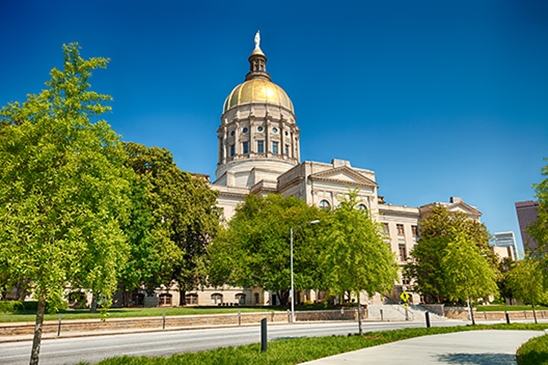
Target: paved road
{"type": "Point", "coordinates": [94, 349]}
{"type": "Point", "coordinates": [473, 348]}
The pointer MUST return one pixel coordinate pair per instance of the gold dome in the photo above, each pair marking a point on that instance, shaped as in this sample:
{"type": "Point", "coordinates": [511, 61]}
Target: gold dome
{"type": "Point", "coordinates": [257, 90]}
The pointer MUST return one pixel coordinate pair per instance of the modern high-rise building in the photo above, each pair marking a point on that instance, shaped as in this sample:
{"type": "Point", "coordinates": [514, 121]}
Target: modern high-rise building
{"type": "Point", "coordinates": [527, 215]}
{"type": "Point", "coordinates": [505, 245]}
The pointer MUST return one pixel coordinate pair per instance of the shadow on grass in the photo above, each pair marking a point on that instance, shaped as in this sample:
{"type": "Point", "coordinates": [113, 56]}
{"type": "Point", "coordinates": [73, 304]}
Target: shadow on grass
{"type": "Point", "coordinates": [478, 359]}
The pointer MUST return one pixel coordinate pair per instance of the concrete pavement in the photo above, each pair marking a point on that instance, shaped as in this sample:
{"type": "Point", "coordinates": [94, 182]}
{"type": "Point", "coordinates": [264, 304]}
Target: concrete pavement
{"type": "Point", "coordinates": [487, 347]}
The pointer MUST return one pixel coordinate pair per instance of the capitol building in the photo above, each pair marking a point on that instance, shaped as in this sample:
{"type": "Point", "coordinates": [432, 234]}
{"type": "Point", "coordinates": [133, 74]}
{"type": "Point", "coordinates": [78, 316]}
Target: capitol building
{"type": "Point", "coordinates": [259, 153]}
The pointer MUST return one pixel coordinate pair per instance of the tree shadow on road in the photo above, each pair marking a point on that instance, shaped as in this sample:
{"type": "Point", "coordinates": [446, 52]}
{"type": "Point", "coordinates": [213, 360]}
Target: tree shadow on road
{"type": "Point", "coordinates": [478, 359]}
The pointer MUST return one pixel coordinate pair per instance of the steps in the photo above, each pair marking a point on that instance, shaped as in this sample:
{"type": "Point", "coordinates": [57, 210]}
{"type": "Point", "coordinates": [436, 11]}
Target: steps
{"type": "Point", "coordinates": [397, 312]}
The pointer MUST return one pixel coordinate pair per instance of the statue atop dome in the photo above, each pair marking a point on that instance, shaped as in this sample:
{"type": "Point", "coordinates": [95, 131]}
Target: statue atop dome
{"type": "Point", "coordinates": [258, 41]}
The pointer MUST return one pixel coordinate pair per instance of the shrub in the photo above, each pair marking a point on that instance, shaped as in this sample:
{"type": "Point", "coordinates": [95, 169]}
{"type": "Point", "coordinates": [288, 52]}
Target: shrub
{"type": "Point", "coordinates": [10, 306]}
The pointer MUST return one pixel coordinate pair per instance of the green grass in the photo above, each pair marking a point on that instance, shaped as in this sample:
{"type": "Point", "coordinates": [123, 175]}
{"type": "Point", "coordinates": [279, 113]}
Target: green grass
{"type": "Point", "coordinates": [508, 308]}
{"type": "Point", "coordinates": [30, 316]}
{"type": "Point", "coordinates": [297, 350]}
{"type": "Point", "coordinates": [534, 352]}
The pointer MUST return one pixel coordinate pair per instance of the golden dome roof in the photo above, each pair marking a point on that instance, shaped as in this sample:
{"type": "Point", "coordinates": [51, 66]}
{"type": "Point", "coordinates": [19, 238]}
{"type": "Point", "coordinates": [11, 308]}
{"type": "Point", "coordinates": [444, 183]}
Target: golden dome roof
{"type": "Point", "coordinates": [260, 90]}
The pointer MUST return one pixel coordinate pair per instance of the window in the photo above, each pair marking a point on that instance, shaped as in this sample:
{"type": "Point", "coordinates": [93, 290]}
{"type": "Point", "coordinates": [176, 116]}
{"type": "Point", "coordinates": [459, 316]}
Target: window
{"type": "Point", "coordinates": [274, 130]}
{"type": "Point", "coordinates": [216, 298]}
{"type": "Point", "coordinates": [275, 148]}
{"type": "Point", "coordinates": [191, 299]}
{"type": "Point", "coordinates": [164, 299]}
{"type": "Point", "coordinates": [260, 146]}
{"type": "Point", "coordinates": [402, 251]}
{"type": "Point", "coordinates": [405, 280]}
{"type": "Point", "coordinates": [240, 298]}
{"type": "Point", "coordinates": [385, 228]}
{"type": "Point", "coordinates": [415, 230]}
{"type": "Point", "coordinates": [256, 297]}
{"type": "Point", "coordinates": [245, 146]}
{"type": "Point", "coordinates": [232, 133]}
{"type": "Point", "coordinates": [260, 129]}
{"type": "Point", "coordinates": [324, 204]}
{"type": "Point", "coordinates": [245, 130]}
{"type": "Point", "coordinates": [232, 150]}
{"type": "Point", "coordinates": [400, 229]}
{"type": "Point", "coordinates": [286, 150]}
{"type": "Point", "coordinates": [362, 207]}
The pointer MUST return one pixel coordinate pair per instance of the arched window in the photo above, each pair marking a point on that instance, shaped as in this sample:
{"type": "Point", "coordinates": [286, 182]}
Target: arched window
{"type": "Point", "coordinates": [164, 299]}
{"type": "Point", "coordinates": [216, 298]}
{"type": "Point", "coordinates": [191, 299]}
{"type": "Point", "coordinates": [240, 298]}
{"type": "Point", "coordinates": [363, 208]}
{"type": "Point", "coordinates": [324, 204]}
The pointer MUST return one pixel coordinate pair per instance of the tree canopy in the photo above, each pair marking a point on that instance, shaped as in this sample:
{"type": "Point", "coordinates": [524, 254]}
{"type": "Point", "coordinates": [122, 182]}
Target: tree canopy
{"type": "Point", "coordinates": [528, 283]}
{"type": "Point", "coordinates": [539, 230]}
{"type": "Point", "coordinates": [63, 192]}
{"type": "Point", "coordinates": [355, 257]}
{"type": "Point", "coordinates": [173, 221]}
{"type": "Point", "coordinates": [435, 258]}
{"type": "Point", "coordinates": [254, 249]}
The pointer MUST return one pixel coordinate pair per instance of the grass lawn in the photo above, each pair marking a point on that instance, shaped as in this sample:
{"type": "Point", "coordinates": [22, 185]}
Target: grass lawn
{"type": "Point", "coordinates": [297, 350]}
{"type": "Point", "coordinates": [508, 308]}
{"type": "Point", "coordinates": [30, 316]}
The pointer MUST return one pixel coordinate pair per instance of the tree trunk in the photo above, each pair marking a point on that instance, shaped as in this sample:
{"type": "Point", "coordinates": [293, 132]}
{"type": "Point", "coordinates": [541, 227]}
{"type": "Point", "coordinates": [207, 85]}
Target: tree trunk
{"type": "Point", "coordinates": [35, 352]}
{"type": "Point", "coordinates": [534, 312]}
{"type": "Point", "coordinates": [359, 315]}
{"type": "Point", "coordinates": [93, 307]}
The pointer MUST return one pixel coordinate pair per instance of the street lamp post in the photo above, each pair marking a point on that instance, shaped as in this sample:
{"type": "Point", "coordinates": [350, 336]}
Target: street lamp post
{"type": "Point", "coordinates": [292, 292]}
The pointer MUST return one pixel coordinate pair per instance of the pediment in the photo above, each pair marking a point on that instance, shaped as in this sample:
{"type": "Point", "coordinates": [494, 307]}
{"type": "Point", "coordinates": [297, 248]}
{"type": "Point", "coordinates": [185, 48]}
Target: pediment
{"type": "Point", "coordinates": [343, 175]}
{"type": "Point", "coordinates": [463, 207]}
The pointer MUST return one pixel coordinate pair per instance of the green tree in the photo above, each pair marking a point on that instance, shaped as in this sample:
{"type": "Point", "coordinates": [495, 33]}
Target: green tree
{"type": "Point", "coordinates": [62, 189]}
{"type": "Point", "coordinates": [539, 230]}
{"type": "Point", "coordinates": [528, 283]}
{"type": "Point", "coordinates": [468, 274]}
{"type": "Point", "coordinates": [437, 232]}
{"type": "Point", "coordinates": [355, 257]}
{"type": "Point", "coordinates": [173, 222]}
{"type": "Point", "coordinates": [254, 250]}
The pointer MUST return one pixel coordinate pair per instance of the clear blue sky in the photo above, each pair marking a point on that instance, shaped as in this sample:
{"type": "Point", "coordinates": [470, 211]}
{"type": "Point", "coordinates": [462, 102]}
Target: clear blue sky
{"type": "Point", "coordinates": [439, 98]}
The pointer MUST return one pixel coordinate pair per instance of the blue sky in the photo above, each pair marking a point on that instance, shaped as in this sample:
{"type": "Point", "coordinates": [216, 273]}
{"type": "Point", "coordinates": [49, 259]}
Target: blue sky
{"type": "Point", "coordinates": [439, 98]}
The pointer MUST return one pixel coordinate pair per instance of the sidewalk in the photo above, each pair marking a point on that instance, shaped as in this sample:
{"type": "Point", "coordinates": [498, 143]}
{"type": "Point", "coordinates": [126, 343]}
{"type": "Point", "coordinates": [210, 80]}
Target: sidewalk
{"type": "Point", "coordinates": [487, 347]}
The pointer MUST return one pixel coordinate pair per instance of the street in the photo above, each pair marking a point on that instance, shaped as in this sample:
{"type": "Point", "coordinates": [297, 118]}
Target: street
{"type": "Point", "coordinates": [94, 349]}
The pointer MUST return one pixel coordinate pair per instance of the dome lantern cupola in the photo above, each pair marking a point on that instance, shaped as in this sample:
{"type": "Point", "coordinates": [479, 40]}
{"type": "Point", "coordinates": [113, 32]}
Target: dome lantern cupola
{"type": "Point", "coordinates": [257, 62]}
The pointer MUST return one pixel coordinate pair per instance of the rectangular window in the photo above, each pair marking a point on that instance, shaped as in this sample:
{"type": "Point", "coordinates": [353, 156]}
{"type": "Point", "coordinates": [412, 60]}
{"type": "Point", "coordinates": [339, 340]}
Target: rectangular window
{"type": "Point", "coordinates": [400, 229]}
{"type": "Point", "coordinates": [232, 150]}
{"type": "Point", "coordinates": [275, 148]}
{"type": "Point", "coordinates": [405, 280]}
{"type": "Point", "coordinates": [385, 228]}
{"type": "Point", "coordinates": [402, 251]}
{"type": "Point", "coordinates": [246, 147]}
{"type": "Point", "coordinates": [287, 150]}
{"type": "Point", "coordinates": [415, 230]}
{"type": "Point", "coordinates": [260, 146]}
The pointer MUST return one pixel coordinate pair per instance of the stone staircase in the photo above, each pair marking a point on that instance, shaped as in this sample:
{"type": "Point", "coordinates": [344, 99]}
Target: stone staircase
{"type": "Point", "coordinates": [397, 312]}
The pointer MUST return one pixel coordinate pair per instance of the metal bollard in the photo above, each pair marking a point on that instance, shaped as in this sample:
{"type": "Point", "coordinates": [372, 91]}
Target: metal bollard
{"type": "Point", "coordinates": [164, 320]}
{"type": "Point", "coordinates": [382, 319]}
{"type": "Point", "coordinates": [427, 315]}
{"type": "Point", "coordinates": [264, 338]}
{"type": "Point", "coordinates": [485, 315]}
{"type": "Point", "coordinates": [288, 316]}
{"type": "Point", "coordinates": [59, 328]}
{"type": "Point", "coordinates": [239, 318]}
{"type": "Point", "coordinates": [507, 317]}
{"type": "Point", "coordinates": [342, 312]}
